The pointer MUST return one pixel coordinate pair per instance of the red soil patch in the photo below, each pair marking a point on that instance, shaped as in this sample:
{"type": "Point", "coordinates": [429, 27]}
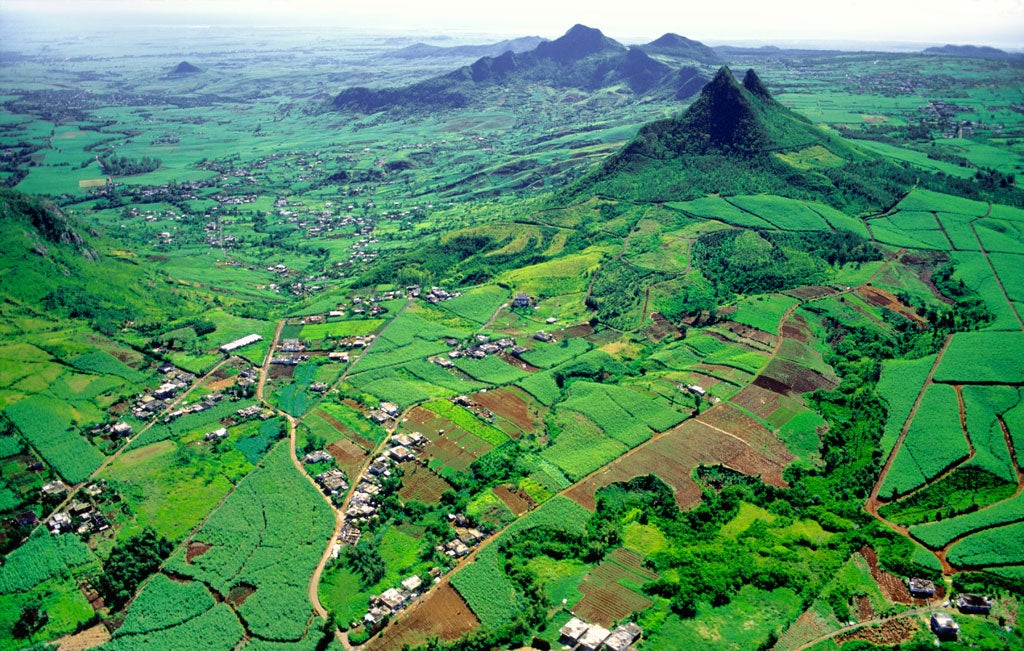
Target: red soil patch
{"type": "Point", "coordinates": [796, 328]}
{"type": "Point", "coordinates": [745, 331]}
{"type": "Point", "coordinates": [506, 404]}
{"type": "Point", "coordinates": [195, 550]}
{"type": "Point", "coordinates": [516, 500]}
{"type": "Point", "coordinates": [888, 300]}
{"type": "Point", "coordinates": [442, 614]}
{"type": "Point", "coordinates": [92, 596]}
{"type": "Point", "coordinates": [757, 400]}
{"type": "Point", "coordinates": [661, 328]}
{"type": "Point", "coordinates": [791, 378]}
{"type": "Point", "coordinates": [888, 633]}
{"type": "Point", "coordinates": [863, 608]}
{"type": "Point", "coordinates": [422, 484]}
{"type": "Point", "coordinates": [891, 585]}
{"type": "Point", "coordinates": [673, 456]}
{"type": "Point", "coordinates": [732, 420]}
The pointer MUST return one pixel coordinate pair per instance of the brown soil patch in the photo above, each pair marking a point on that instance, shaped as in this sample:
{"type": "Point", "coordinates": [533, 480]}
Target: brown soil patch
{"type": "Point", "coordinates": [808, 626]}
{"type": "Point", "coordinates": [757, 400]}
{"type": "Point", "coordinates": [422, 484]}
{"type": "Point", "coordinates": [811, 292]}
{"type": "Point", "coordinates": [891, 585]}
{"type": "Point", "coordinates": [730, 419]}
{"type": "Point", "coordinates": [661, 328]}
{"type": "Point", "coordinates": [195, 550]}
{"type": "Point", "coordinates": [790, 378]}
{"type": "Point", "coordinates": [673, 456]}
{"type": "Point", "coordinates": [888, 633]}
{"type": "Point", "coordinates": [442, 614]}
{"type": "Point", "coordinates": [220, 385]}
{"type": "Point", "coordinates": [753, 334]}
{"type": "Point", "coordinates": [605, 600]}
{"type": "Point", "coordinates": [888, 300]}
{"type": "Point", "coordinates": [584, 330]}
{"type": "Point", "coordinates": [346, 432]}
{"type": "Point", "coordinates": [515, 499]}
{"type": "Point", "coordinates": [86, 639]}
{"type": "Point", "coordinates": [238, 594]}
{"type": "Point", "coordinates": [862, 606]}
{"type": "Point", "coordinates": [280, 371]}
{"type": "Point", "coordinates": [507, 404]}
{"type": "Point", "coordinates": [92, 596]}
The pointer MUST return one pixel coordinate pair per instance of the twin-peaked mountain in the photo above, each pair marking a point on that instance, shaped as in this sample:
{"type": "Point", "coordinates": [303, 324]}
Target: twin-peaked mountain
{"type": "Point", "coordinates": [737, 139]}
{"type": "Point", "coordinates": [583, 58]}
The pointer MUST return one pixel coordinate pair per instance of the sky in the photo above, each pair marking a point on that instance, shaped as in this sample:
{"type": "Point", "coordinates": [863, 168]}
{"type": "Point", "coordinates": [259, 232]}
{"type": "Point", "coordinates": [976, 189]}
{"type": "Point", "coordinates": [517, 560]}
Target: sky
{"type": "Point", "coordinates": [981, 22]}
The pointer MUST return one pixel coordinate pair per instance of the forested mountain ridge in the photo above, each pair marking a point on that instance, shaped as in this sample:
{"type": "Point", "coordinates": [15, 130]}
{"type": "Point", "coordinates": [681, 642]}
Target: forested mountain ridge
{"type": "Point", "coordinates": [582, 58]}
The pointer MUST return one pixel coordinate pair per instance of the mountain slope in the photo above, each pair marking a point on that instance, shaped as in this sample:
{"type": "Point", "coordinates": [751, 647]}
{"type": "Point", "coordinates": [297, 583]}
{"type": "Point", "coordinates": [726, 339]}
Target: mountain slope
{"type": "Point", "coordinates": [49, 261]}
{"type": "Point", "coordinates": [583, 58]}
{"type": "Point", "coordinates": [737, 139]}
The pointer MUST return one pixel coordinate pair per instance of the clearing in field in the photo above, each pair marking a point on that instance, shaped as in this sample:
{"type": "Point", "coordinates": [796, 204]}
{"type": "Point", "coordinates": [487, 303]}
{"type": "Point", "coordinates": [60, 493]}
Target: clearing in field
{"type": "Point", "coordinates": [513, 405]}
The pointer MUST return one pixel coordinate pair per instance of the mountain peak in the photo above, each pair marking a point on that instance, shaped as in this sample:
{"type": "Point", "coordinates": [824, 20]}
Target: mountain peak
{"type": "Point", "coordinates": [579, 42]}
{"type": "Point", "coordinates": [754, 84]}
{"type": "Point", "coordinates": [185, 68]}
{"type": "Point", "coordinates": [676, 46]}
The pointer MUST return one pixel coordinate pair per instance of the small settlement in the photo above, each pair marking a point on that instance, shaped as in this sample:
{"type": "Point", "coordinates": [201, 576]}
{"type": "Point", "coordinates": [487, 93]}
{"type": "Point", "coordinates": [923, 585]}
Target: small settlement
{"type": "Point", "coordinates": [579, 635]}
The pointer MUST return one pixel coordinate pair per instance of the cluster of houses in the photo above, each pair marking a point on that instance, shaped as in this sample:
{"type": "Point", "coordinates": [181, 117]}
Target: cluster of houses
{"type": "Point", "coordinates": [332, 482]}
{"type": "Point", "coordinates": [392, 601]}
{"type": "Point", "coordinates": [579, 635]}
{"type": "Point", "coordinates": [209, 401]}
{"type": "Point", "coordinates": [254, 411]}
{"type": "Point", "coordinates": [942, 623]}
{"type": "Point", "coordinates": [434, 295]}
{"type": "Point", "coordinates": [80, 516]}
{"type": "Point", "coordinates": [466, 537]}
{"type": "Point", "coordinates": [385, 412]}
{"type": "Point", "coordinates": [478, 410]}
{"type": "Point", "coordinates": [483, 347]}
{"type": "Point", "coordinates": [152, 403]}
{"type": "Point", "coordinates": [118, 430]}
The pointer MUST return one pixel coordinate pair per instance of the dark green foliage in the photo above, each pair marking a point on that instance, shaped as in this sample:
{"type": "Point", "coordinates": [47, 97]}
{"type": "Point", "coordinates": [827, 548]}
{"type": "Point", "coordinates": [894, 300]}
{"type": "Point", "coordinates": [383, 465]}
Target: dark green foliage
{"type": "Point", "coordinates": [129, 564]}
{"type": "Point", "coordinates": [365, 560]}
{"type": "Point", "coordinates": [124, 166]}
{"type": "Point", "coordinates": [618, 292]}
{"type": "Point", "coordinates": [749, 262]}
{"type": "Point", "coordinates": [30, 621]}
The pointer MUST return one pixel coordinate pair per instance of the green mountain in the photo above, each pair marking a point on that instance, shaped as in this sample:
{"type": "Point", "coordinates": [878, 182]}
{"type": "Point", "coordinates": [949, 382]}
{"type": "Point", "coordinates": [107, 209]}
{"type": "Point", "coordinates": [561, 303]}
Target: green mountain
{"type": "Point", "coordinates": [973, 51]}
{"type": "Point", "coordinates": [50, 262]}
{"type": "Point", "coordinates": [583, 58]}
{"type": "Point", "coordinates": [737, 139]}
{"type": "Point", "coordinates": [680, 47]}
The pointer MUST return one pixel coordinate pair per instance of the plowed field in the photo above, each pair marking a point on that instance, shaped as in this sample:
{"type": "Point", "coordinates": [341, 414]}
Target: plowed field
{"type": "Point", "coordinates": [443, 614]}
{"type": "Point", "coordinates": [674, 456]}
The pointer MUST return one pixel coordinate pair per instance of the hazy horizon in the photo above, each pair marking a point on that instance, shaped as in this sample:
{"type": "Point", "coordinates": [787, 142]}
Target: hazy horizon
{"type": "Point", "coordinates": [997, 23]}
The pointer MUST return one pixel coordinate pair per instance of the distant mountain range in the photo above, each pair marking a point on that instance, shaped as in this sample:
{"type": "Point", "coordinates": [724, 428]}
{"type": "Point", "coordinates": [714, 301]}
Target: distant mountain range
{"type": "Point", "coordinates": [974, 51]}
{"type": "Point", "coordinates": [424, 50]}
{"type": "Point", "coordinates": [583, 58]}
